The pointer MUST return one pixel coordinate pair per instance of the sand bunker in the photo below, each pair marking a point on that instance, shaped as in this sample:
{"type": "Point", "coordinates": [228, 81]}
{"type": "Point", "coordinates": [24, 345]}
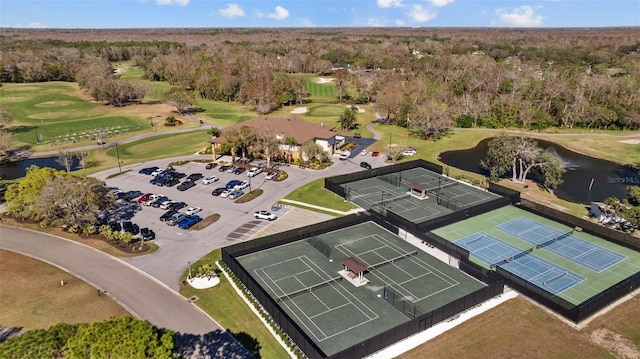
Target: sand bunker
{"type": "Point", "coordinates": [54, 104]}
{"type": "Point", "coordinates": [358, 109]}
{"type": "Point", "coordinates": [299, 110]}
{"type": "Point", "coordinates": [632, 142]}
{"type": "Point", "coordinates": [204, 282]}
{"type": "Point", "coordinates": [324, 80]}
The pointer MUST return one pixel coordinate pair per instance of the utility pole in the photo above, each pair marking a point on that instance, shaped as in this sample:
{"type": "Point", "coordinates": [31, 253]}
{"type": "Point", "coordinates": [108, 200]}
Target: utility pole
{"type": "Point", "coordinates": [118, 155]}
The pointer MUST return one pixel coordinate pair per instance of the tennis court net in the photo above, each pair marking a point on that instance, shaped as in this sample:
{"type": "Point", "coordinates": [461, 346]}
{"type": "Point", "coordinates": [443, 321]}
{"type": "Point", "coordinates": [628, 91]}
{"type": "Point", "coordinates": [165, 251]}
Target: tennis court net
{"type": "Point", "coordinates": [514, 257]}
{"type": "Point", "coordinates": [389, 261]}
{"type": "Point", "coordinates": [442, 186]}
{"type": "Point", "coordinates": [562, 236]}
{"type": "Point", "coordinates": [298, 292]}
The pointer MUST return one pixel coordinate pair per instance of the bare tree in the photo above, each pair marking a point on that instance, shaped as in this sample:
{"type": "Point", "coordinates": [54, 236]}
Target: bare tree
{"type": "Point", "coordinates": [5, 141]}
{"type": "Point", "coordinates": [82, 155]}
{"type": "Point", "coordinates": [65, 158]}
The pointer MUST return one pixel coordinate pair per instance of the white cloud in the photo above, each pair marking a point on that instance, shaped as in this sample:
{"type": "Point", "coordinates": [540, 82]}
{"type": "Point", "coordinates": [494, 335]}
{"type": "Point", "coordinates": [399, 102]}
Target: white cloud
{"type": "Point", "coordinates": [279, 14]}
{"type": "Point", "coordinates": [172, 2]}
{"type": "Point", "coordinates": [306, 22]}
{"type": "Point", "coordinates": [376, 22]}
{"type": "Point", "coordinates": [523, 16]}
{"type": "Point", "coordinates": [440, 3]}
{"type": "Point", "coordinates": [420, 14]}
{"type": "Point", "coordinates": [400, 22]}
{"type": "Point", "coordinates": [31, 25]}
{"type": "Point", "coordinates": [232, 10]}
{"type": "Point", "coordinates": [389, 3]}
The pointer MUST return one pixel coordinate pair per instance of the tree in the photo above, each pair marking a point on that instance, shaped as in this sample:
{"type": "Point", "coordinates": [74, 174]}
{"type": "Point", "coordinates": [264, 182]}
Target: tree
{"type": "Point", "coordinates": [214, 132]}
{"type": "Point", "coordinates": [291, 143]}
{"type": "Point", "coordinates": [395, 152]}
{"type": "Point", "coordinates": [242, 139]}
{"type": "Point", "coordinates": [269, 145]}
{"type": "Point", "coordinates": [521, 155]}
{"type": "Point", "coordinates": [73, 201]}
{"type": "Point", "coordinates": [136, 339]}
{"type": "Point", "coordinates": [347, 119]}
{"type": "Point", "coordinates": [313, 151]}
{"type": "Point", "coordinates": [65, 159]}
{"type": "Point", "coordinates": [5, 141]}
{"type": "Point", "coordinates": [180, 98]}
{"type": "Point", "coordinates": [21, 197]}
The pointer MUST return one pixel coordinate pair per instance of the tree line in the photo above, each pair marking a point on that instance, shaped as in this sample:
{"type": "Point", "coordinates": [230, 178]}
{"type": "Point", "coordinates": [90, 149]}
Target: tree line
{"type": "Point", "coordinates": [425, 83]}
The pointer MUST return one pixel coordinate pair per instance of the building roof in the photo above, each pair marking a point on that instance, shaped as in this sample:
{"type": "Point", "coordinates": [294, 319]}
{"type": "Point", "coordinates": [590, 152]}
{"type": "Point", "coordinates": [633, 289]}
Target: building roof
{"type": "Point", "coordinates": [354, 265]}
{"type": "Point", "coordinates": [300, 130]}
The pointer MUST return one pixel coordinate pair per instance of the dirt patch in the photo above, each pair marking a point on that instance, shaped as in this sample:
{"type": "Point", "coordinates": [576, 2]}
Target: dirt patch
{"type": "Point", "coordinates": [324, 80]}
{"type": "Point", "coordinates": [206, 222]}
{"type": "Point", "coordinates": [616, 343]}
{"type": "Point", "coordinates": [631, 142]}
{"type": "Point", "coordinates": [299, 110]}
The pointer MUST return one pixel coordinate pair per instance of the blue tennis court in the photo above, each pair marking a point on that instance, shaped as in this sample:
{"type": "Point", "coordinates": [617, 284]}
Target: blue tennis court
{"type": "Point", "coordinates": [542, 273]}
{"type": "Point", "coordinates": [565, 245]}
{"type": "Point", "coordinates": [488, 248]}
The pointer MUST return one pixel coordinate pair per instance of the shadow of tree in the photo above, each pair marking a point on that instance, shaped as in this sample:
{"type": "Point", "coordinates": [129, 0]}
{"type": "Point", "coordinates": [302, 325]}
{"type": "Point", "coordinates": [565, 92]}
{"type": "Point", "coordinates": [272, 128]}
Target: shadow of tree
{"type": "Point", "coordinates": [250, 343]}
{"type": "Point", "coordinates": [21, 128]}
{"type": "Point", "coordinates": [212, 345]}
{"type": "Point", "coordinates": [6, 333]}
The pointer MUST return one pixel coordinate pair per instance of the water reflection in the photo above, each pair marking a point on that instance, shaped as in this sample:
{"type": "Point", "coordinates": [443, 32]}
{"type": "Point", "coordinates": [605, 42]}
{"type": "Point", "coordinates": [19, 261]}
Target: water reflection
{"type": "Point", "coordinates": [609, 179]}
{"type": "Point", "coordinates": [18, 169]}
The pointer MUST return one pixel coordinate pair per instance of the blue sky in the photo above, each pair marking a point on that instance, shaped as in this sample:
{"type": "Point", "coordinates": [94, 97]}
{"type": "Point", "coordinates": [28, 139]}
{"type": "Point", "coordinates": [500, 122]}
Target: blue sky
{"type": "Point", "coordinates": [316, 13]}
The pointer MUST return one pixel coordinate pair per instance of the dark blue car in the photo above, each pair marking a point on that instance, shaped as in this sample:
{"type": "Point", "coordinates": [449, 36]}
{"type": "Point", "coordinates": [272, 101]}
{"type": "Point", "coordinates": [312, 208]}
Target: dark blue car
{"type": "Point", "coordinates": [148, 170]}
{"type": "Point", "coordinates": [189, 221]}
{"type": "Point", "coordinates": [232, 184]}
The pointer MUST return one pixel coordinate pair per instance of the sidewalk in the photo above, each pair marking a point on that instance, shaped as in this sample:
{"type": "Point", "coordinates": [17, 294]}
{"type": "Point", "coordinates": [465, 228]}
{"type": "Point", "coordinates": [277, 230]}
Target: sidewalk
{"type": "Point", "coordinates": [330, 210]}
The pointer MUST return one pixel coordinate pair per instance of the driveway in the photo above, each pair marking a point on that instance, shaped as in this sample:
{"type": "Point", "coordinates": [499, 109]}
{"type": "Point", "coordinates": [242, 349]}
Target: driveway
{"type": "Point", "coordinates": [144, 297]}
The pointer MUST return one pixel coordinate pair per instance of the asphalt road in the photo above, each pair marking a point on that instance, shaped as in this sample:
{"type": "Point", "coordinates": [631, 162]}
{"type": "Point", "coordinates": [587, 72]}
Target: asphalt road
{"type": "Point", "coordinates": [141, 295]}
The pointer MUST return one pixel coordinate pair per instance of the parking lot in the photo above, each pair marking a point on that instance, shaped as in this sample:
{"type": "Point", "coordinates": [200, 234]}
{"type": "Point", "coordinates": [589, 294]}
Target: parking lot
{"type": "Point", "coordinates": [179, 247]}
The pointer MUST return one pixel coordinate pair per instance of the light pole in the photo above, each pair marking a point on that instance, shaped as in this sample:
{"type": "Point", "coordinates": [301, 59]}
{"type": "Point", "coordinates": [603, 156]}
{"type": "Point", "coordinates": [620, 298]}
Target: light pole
{"type": "Point", "coordinates": [118, 155]}
{"type": "Point", "coordinates": [151, 121]}
{"type": "Point", "coordinates": [189, 263]}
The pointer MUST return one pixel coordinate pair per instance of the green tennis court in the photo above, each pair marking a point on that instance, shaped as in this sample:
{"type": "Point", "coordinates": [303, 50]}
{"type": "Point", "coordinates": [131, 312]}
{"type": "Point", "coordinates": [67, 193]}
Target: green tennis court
{"type": "Point", "coordinates": [571, 252]}
{"type": "Point", "coordinates": [306, 278]}
{"type": "Point", "coordinates": [417, 194]}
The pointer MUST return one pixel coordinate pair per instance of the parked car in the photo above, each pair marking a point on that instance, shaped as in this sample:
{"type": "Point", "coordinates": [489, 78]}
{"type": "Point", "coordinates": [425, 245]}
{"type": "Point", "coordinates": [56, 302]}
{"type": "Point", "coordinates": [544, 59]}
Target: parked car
{"type": "Point", "coordinates": [231, 169]}
{"type": "Point", "coordinates": [145, 197]}
{"type": "Point", "coordinates": [115, 226]}
{"type": "Point", "coordinates": [159, 201]}
{"type": "Point", "coordinates": [241, 185]}
{"type": "Point", "coordinates": [129, 227]}
{"type": "Point", "coordinates": [238, 170]}
{"type": "Point", "coordinates": [192, 210]}
{"type": "Point", "coordinates": [231, 184]}
{"type": "Point", "coordinates": [236, 194]}
{"type": "Point", "coordinates": [224, 168]}
{"type": "Point", "coordinates": [147, 234]}
{"type": "Point", "coordinates": [153, 198]}
{"type": "Point", "coordinates": [210, 179]}
{"type": "Point", "coordinates": [195, 176]}
{"type": "Point", "coordinates": [158, 171]}
{"type": "Point", "coordinates": [185, 185]}
{"type": "Point", "coordinates": [211, 165]}
{"type": "Point", "coordinates": [175, 218]}
{"type": "Point", "coordinates": [409, 151]}
{"type": "Point", "coordinates": [218, 191]}
{"type": "Point", "coordinates": [166, 215]}
{"type": "Point", "coordinates": [226, 193]}
{"type": "Point", "coordinates": [189, 221]}
{"type": "Point", "coordinates": [357, 135]}
{"type": "Point", "coordinates": [364, 153]}
{"type": "Point", "coordinates": [148, 170]}
{"type": "Point", "coordinates": [344, 155]}
{"type": "Point", "coordinates": [271, 175]}
{"type": "Point", "coordinates": [171, 182]}
{"type": "Point", "coordinates": [375, 153]}
{"type": "Point", "coordinates": [166, 204]}
{"type": "Point", "coordinates": [254, 171]}
{"type": "Point", "coordinates": [131, 195]}
{"type": "Point", "coordinates": [177, 205]}
{"type": "Point", "coordinates": [365, 165]}
{"type": "Point", "coordinates": [265, 215]}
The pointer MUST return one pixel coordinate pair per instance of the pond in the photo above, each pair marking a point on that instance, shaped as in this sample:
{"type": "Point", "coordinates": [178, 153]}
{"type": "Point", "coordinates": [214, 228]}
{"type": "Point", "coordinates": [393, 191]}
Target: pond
{"type": "Point", "coordinates": [18, 169]}
{"type": "Point", "coordinates": [609, 179]}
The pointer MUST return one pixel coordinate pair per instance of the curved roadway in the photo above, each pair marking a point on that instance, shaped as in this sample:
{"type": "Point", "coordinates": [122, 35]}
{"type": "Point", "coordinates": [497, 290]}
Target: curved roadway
{"type": "Point", "coordinates": [143, 296]}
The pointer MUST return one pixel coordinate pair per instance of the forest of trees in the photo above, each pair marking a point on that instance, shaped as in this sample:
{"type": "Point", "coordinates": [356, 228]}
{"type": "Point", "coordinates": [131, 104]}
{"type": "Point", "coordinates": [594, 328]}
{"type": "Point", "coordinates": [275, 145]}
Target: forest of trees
{"type": "Point", "coordinates": [418, 79]}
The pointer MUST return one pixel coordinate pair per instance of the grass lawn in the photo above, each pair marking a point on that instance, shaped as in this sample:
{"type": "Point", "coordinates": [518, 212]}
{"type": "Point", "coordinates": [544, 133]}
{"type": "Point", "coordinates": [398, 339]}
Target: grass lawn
{"type": "Point", "coordinates": [162, 146]}
{"type": "Point", "coordinates": [222, 303]}
{"type": "Point", "coordinates": [520, 329]}
{"type": "Point", "coordinates": [320, 92]}
{"type": "Point", "coordinates": [315, 193]}
{"type": "Point", "coordinates": [54, 115]}
{"type": "Point", "coordinates": [222, 113]}
{"type": "Point", "coordinates": [32, 298]}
